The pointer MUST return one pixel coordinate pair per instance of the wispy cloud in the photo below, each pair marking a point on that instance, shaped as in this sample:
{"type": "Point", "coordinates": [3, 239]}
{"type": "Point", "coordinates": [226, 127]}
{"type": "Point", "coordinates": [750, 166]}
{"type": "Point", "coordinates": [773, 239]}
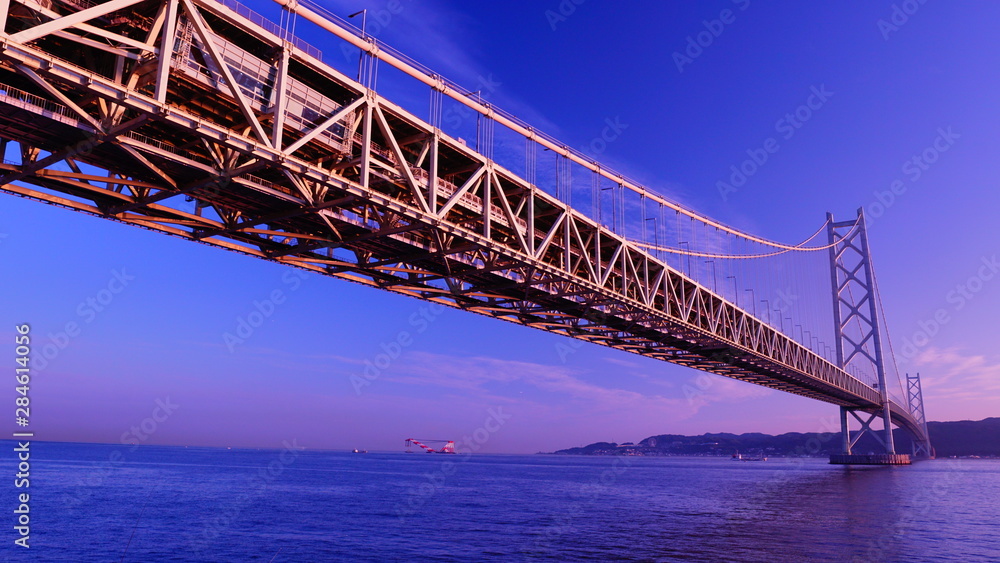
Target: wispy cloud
{"type": "Point", "coordinates": [622, 362]}
{"type": "Point", "coordinates": [726, 390]}
{"type": "Point", "coordinates": [271, 355]}
{"type": "Point", "coordinates": [502, 380]}
{"type": "Point", "coordinates": [950, 374]}
{"type": "Point", "coordinates": [480, 376]}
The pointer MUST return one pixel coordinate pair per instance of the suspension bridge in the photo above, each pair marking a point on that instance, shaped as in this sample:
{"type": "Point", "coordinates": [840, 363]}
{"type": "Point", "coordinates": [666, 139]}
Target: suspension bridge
{"type": "Point", "coordinates": [206, 121]}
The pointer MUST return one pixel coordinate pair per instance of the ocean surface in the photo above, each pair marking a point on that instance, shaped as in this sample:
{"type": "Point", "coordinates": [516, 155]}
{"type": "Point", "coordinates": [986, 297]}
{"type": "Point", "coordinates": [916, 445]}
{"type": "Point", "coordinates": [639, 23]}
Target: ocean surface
{"type": "Point", "coordinates": [111, 503]}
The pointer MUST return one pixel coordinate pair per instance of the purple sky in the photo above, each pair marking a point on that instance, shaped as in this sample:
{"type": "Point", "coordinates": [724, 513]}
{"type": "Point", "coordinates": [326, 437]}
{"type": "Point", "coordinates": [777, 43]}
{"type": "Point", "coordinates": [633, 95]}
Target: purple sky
{"type": "Point", "coordinates": [894, 91]}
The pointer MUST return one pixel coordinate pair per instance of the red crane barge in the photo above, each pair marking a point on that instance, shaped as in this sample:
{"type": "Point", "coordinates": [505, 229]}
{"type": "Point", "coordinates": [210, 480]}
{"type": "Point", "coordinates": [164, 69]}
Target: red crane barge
{"type": "Point", "coordinates": [447, 448]}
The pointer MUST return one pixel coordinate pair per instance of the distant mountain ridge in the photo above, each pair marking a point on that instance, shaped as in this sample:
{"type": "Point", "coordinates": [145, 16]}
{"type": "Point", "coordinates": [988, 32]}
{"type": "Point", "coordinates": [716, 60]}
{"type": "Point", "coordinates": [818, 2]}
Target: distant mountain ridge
{"type": "Point", "coordinates": [958, 438]}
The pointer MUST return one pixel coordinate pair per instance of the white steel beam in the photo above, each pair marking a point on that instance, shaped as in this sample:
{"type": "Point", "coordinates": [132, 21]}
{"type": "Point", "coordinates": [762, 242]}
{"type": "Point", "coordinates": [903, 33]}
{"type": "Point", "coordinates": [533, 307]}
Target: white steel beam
{"type": "Point", "coordinates": [96, 45]}
{"type": "Point", "coordinates": [505, 206]}
{"type": "Point", "coordinates": [207, 39]}
{"type": "Point", "coordinates": [432, 172]}
{"type": "Point", "coordinates": [166, 50]}
{"type": "Point", "coordinates": [117, 38]}
{"type": "Point", "coordinates": [366, 144]}
{"type": "Point", "coordinates": [329, 122]}
{"type": "Point", "coordinates": [462, 190]}
{"type": "Point", "coordinates": [57, 94]}
{"type": "Point", "coordinates": [70, 20]}
{"type": "Point", "coordinates": [279, 99]}
{"type": "Point", "coordinates": [401, 162]}
{"type": "Point", "coordinates": [4, 9]}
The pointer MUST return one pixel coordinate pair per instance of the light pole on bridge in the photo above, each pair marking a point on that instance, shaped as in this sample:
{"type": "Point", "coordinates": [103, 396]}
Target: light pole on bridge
{"type": "Point", "coordinates": [680, 242]}
{"type": "Point", "coordinates": [614, 208]}
{"type": "Point", "coordinates": [715, 279]}
{"type": "Point", "coordinates": [656, 238]}
{"type": "Point", "coordinates": [479, 134]}
{"type": "Point", "coordinates": [753, 300]}
{"type": "Point", "coordinates": [364, 24]}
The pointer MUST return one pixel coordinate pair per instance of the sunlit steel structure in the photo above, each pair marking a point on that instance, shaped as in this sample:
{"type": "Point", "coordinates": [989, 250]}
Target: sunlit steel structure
{"type": "Point", "coordinates": [859, 338]}
{"type": "Point", "coordinates": [122, 108]}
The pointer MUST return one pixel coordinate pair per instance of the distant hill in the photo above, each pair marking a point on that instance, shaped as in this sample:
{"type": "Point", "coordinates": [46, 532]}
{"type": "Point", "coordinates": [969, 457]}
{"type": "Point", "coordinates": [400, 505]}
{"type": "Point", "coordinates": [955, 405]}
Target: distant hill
{"type": "Point", "coordinates": [966, 437]}
{"type": "Point", "coordinates": [961, 438]}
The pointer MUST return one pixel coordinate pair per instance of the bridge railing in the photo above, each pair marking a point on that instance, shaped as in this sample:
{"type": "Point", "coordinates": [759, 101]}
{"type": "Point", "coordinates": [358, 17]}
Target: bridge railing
{"type": "Point", "coordinates": [272, 27]}
{"type": "Point", "coordinates": [19, 98]}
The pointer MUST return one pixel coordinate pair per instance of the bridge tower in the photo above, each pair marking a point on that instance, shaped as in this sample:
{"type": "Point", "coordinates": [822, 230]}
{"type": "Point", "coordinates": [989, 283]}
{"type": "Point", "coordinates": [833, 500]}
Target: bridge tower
{"type": "Point", "coordinates": [915, 398]}
{"type": "Point", "coordinates": [857, 332]}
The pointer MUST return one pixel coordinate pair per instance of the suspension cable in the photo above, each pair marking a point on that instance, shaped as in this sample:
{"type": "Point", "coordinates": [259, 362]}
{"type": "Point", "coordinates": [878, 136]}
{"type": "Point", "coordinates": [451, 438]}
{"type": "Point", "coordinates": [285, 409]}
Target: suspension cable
{"type": "Point", "coordinates": [786, 248]}
{"type": "Point", "coordinates": [315, 12]}
{"type": "Point", "coordinates": [892, 351]}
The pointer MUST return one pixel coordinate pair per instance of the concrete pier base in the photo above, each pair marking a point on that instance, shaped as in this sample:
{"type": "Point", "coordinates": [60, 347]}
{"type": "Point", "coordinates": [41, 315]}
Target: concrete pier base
{"type": "Point", "coordinates": [870, 459]}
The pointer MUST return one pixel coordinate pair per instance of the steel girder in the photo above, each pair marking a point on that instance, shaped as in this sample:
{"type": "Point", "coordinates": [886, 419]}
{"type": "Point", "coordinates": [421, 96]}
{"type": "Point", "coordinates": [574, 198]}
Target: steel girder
{"type": "Point", "coordinates": [286, 159]}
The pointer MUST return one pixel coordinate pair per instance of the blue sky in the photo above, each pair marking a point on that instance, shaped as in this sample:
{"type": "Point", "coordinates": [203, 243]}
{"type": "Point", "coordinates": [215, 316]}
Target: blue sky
{"type": "Point", "coordinates": [893, 90]}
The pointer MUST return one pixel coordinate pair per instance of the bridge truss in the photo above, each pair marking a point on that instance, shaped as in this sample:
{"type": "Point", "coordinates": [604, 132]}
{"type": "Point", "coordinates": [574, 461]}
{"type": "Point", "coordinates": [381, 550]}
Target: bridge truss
{"type": "Point", "coordinates": [202, 120]}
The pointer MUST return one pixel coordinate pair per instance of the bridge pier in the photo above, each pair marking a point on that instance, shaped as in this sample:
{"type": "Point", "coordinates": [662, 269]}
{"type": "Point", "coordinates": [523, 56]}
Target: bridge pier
{"type": "Point", "coordinates": [870, 459]}
{"type": "Point", "coordinates": [845, 431]}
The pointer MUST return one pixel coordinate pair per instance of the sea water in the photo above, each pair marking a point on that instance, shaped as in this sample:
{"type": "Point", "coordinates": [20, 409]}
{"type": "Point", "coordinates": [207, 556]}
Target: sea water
{"type": "Point", "coordinates": [92, 502]}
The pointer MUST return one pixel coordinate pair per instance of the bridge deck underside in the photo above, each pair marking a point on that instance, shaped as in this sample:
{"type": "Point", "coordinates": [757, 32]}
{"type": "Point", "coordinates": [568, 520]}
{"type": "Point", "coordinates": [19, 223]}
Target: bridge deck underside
{"type": "Point", "coordinates": [346, 184]}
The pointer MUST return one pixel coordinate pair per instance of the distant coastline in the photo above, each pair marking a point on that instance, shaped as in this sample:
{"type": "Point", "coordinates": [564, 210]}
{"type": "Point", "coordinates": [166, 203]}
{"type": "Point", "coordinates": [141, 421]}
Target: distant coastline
{"type": "Point", "coordinates": [964, 438]}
